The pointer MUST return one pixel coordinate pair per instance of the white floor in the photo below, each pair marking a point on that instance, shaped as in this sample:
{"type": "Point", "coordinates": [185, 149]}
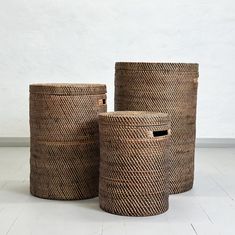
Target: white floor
{"type": "Point", "coordinates": [207, 209]}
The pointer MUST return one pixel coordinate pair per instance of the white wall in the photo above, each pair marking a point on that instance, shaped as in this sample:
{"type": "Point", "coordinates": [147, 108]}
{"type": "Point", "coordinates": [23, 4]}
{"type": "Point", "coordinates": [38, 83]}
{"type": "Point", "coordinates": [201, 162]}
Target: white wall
{"type": "Point", "coordinates": [80, 40]}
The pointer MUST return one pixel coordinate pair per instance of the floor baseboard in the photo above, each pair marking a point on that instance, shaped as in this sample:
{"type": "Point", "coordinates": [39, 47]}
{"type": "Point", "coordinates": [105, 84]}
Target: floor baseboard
{"type": "Point", "coordinates": [200, 142]}
{"type": "Point", "coordinates": [215, 142]}
{"type": "Point", "coordinates": [14, 142]}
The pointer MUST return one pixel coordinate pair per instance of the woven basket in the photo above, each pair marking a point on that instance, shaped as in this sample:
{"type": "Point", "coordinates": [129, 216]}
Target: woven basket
{"type": "Point", "coordinates": [169, 88]}
{"type": "Point", "coordinates": [64, 160]}
{"type": "Point", "coordinates": [134, 163]}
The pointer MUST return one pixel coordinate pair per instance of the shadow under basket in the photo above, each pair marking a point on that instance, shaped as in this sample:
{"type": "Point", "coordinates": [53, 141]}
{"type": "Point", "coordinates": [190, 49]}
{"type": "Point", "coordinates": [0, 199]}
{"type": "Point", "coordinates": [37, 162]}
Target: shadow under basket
{"type": "Point", "coordinates": [64, 151]}
{"type": "Point", "coordinates": [134, 163]}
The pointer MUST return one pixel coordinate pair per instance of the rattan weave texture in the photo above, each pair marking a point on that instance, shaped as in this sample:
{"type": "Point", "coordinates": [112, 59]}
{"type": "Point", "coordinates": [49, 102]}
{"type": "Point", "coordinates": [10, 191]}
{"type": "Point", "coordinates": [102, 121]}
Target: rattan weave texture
{"type": "Point", "coordinates": [134, 163]}
{"type": "Point", "coordinates": [64, 159]}
{"type": "Point", "coordinates": [169, 88]}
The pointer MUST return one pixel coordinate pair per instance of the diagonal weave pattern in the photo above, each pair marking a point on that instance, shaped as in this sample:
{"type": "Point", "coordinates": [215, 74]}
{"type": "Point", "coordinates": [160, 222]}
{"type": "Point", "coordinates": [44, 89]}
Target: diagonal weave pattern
{"type": "Point", "coordinates": [169, 88]}
{"type": "Point", "coordinates": [64, 159]}
{"type": "Point", "coordinates": [133, 163]}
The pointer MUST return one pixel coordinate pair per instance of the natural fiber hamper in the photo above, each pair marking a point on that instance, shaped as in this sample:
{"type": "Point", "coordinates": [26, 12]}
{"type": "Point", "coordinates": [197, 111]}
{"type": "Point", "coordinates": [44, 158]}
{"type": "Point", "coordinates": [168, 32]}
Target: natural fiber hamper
{"type": "Point", "coordinates": [170, 88]}
{"type": "Point", "coordinates": [134, 163]}
{"type": "Point", "coordinates": [64, 153]}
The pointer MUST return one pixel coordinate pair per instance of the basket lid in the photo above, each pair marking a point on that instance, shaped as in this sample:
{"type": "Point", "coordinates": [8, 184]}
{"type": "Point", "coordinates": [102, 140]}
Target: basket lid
{"type": "Point", "coordinates": [134, 118]}
{"type": "Point", "coordinates": [149, 66]}
{"type": "Point", "coordinates": [68, 88]}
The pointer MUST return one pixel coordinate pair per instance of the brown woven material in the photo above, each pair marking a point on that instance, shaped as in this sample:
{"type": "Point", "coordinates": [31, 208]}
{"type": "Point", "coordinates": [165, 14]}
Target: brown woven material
{"type": "Point", "coordinates": [64, 159]}
{"type": "Point", "coordinates": [169, 88]}
{"type": "Point", "coordinates": [134, 163]}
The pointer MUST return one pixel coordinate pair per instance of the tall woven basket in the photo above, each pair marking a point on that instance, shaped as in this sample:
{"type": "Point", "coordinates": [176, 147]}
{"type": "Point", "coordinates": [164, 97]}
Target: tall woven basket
{"type": "Point", "coordinates": [169, 88]}
{"type": "Point", "coordinates": [134, 163]}
{"type": "Point", "coordinates": [64, 154]}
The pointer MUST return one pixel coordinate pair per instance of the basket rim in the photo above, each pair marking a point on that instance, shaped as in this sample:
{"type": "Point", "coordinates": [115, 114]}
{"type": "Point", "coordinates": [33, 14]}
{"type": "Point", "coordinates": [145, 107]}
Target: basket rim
{"type": "Point", "coordinates": [134, 118]}
{"type": "Point", "coordinates": [67, 88]}
{"type": "Point", "coordinates": [161, 66]}
{"type": "Point", "coordinates": [134, 114]}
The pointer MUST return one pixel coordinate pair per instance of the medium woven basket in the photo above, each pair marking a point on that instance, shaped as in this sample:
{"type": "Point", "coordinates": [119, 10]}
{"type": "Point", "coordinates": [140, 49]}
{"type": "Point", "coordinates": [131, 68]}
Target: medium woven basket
{"type": "Point", "coordinates": [64, 153]}
{"type": "Point", "coordinates": [169, 88]}
{"type": "Point", "coordinates": [134, 163]}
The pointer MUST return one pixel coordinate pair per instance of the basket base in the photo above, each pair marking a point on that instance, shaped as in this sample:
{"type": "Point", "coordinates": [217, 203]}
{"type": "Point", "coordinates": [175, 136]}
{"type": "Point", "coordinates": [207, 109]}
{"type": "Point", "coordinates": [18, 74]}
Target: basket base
{"type": "Point", "coordinates": [138, 209]}
{"type": "Point", "coordinates": [62, 198]}
{"type": "Point", "coordinates": [134, 214]}
{"type": "Point", "coordinates": [175, 189]}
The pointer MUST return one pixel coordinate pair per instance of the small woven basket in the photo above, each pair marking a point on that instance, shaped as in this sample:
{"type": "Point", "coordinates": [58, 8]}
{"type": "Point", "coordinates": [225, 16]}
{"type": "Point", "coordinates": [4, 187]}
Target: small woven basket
{"type": "Point", "coordinates": [134, 163]}
{"type": "Point", "coordinates": [64, 153]}
{"type": "Point", "coordinates": [168, 88]}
